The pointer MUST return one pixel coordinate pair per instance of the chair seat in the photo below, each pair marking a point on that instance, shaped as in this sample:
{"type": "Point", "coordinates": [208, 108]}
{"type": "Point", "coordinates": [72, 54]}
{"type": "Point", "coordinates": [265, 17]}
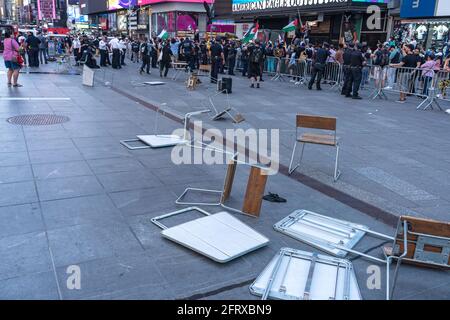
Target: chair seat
{"type": "Point", "coordinates": [324, 139]}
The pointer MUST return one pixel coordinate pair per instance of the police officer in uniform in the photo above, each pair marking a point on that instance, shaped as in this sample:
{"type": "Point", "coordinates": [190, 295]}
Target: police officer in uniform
{"type": "Point", "coordinates": [188, 48]}
{"type": "Point", "coordinates": [319, 66]}
{"type": "Point", "coordinates": [217, 58]}
{"type": "Point", "coordinates": [357, 62]}
{"type": "Point", "coordinates": [347, 87]}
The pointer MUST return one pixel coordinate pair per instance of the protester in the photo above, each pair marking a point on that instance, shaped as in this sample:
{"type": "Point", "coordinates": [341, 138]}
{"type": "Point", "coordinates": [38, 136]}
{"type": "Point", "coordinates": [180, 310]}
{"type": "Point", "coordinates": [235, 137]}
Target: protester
{"type": "Point", "coordinates": [165, 60]}
{"type": "Point", "coordinates": [33, 50]}
{"type": "Point", "coordinates": [12, 61]}
{"type": "Point", "coordinates": [256, 57]}
{"type": "Point", "coordinates": [217, 58]}
{"type": "Point", "coordinates": [410, 61]}
{"type": "Point", "coordinates": [43, 49]}
{"type": "Point", "coordinates": [146, 50]}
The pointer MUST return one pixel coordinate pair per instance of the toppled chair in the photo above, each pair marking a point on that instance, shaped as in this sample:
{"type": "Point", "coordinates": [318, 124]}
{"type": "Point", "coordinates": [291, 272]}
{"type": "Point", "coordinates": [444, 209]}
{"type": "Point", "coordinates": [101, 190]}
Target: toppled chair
{"type": "Point", "coordinates": [253, 195]}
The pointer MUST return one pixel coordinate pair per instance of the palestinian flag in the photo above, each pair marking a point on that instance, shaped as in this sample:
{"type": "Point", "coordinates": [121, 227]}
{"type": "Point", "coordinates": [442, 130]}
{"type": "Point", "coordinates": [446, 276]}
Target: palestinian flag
{"type": "Point", "coordinates": [291, 26]}
{"type": "Point", "coordinates": [163, 35]}
{"type": "Point", "coordinates": [251, 33]}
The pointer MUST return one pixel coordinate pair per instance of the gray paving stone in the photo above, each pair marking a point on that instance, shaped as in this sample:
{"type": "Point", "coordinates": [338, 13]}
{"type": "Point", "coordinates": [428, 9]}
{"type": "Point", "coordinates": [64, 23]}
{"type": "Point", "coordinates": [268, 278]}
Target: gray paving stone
{"type": "Point", "coordinates": [36, 286]}
{"type": "Point", "coordinates": [24, 254]}
{"type": "Point", "coordinates": [17, 193]}
{"type": "Point", "coordinates": [15, 174]}
{"type": "Point", "coordinates": [49, 144]}
{"type": "Point", "coordinates": [81, 243]}
{"type": "Point", "coordinates": [96, 210]}
{"type": "Point", "coordinates": [101, 166]}
{"type": "Point", "coordinates": [14, 159]}
{"type": "Point", "coordinates": [49, 156]}
{"type": "Point", "coordinates": [144, 201]}
{"type": "Point", "coordinates": [20, 219]}
{"type": "Point", "coordinates": [113, 275]}
{"type": "Point", "coordinates": [131, 180]}
{"type": "Point", "coordinates": [61, 170]}
{"type": "Point", "coordinates": [104, 152]}
{"type": "Point", "coordinates": [71, 187]}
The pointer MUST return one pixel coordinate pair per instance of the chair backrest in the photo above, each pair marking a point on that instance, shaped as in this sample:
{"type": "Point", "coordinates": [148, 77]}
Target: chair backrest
{"type": "Point", "coordinates": [316, 122]}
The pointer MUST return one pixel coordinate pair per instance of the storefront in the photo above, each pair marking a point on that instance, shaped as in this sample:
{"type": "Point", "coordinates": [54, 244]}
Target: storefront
{"type": "Point", "coordinates": [332, 20]}
{"type": "Point", "coordinates": [428, 23]}
{"type": "Point", "coordinates": [179, 18]}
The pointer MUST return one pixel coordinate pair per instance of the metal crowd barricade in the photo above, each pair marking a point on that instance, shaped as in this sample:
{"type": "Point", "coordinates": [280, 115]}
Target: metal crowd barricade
{"type": "Point", "coordinates": [437, 89]}
{"type": "Point", "coordinates": [333, 74]}
{"type": "Point", "coordinates": [271, 65]}
{"type": "Point", "coordinates": [409, 81]}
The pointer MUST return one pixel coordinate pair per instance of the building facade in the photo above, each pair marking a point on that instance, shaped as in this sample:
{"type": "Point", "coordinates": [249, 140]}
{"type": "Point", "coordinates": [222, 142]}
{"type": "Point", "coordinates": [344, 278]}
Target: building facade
{"type": "Point", "coordinates": [425, 21]}
{"type": "Point", "coordinates": [327, 20]}
{"type": "Point", "coordinates": [144, 17]}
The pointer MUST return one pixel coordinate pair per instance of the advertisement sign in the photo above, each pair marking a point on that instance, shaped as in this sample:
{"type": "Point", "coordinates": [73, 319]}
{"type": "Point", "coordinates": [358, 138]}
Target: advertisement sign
{"type": "Point", "coordinates": [121, 4]}
{"type": "Point", "coordinates": [443, 8]}
{"type": "Point", "coordinates": [46, 9]}
{"type": "Point", "coordinates": [258, 5]}
{"type": "Point", "coordinates": [417, 8]}
{"type": "Point", "coordinates": [144, 2]}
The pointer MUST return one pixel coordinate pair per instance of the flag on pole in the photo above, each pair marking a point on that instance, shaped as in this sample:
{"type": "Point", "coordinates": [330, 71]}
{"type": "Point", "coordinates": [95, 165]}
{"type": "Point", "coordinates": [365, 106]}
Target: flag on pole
{"type": "Point", "coordinates": [291, 26]}
{"type": "Point", "coordinates": [163, 35]}
{"type": "Point", "coordinates": [251, 33]}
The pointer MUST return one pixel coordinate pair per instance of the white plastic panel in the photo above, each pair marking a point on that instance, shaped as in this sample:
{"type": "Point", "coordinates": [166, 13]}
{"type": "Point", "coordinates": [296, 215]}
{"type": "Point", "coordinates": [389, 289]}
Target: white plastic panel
{"type": "Point", "coordinates": [220, 237]}
{"type": "Point", "coordinates": [329, 277]}
{"type": "Point", "coordinates": [160, 141]}
{"type": "Point", "coordinates": [322, 232]}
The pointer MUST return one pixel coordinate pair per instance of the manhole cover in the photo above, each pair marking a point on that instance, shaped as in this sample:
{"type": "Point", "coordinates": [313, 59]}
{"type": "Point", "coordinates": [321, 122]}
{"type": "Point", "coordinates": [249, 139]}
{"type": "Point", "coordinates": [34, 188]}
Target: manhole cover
{"type": "Point", "coordinates": [37, 119]}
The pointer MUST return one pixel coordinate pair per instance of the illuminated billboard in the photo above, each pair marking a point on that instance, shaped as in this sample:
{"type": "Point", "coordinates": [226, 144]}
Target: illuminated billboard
{"type": "Point", "coordinates": [121, 4]}
{"type": "Point", "coordinates": [144, 2]}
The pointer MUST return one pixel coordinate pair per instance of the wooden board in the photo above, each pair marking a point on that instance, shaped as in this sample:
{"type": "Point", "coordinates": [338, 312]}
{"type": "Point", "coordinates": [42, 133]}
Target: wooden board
{"type": "Point", "coordinates": [229, 179]}
{"type": "Point", "coordinates": [316, 122]}
{"type": "Point", "coordinates": [255, 192]}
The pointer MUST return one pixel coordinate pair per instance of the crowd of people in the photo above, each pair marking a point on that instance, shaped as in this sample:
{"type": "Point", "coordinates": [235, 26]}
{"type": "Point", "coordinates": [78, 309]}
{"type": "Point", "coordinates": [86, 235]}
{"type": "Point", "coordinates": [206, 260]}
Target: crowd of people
{"type": "Point", "coordinates": [230, 56]}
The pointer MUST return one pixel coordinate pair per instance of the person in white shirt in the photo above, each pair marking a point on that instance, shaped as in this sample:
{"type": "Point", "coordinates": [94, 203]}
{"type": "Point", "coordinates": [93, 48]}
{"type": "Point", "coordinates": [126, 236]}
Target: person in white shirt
{"type": "Point", "coordinates": [76, 46]}
{"type": "Point", "coordinates": [103, 47]}
{"type": "Point", "coordinates": [116, 50]}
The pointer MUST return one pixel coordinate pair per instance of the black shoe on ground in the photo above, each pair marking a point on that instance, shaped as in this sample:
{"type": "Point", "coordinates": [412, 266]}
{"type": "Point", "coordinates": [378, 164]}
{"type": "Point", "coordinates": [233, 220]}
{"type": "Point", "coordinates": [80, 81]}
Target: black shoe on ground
{"type": "Point", "coordinates": [348, 95]}
{"type": "Point", "coordinates": [356, 97]}
{"type": "Point", "coordinates": [252, 85]}
{"type": "Point", "coordinates": [319, 89]}
{"type": "Point", "coordinates": [257, 86]}
{"type": "Point", "coordinates": [309, 88]}
{"type": "Point", "coordinates": [273, 197]}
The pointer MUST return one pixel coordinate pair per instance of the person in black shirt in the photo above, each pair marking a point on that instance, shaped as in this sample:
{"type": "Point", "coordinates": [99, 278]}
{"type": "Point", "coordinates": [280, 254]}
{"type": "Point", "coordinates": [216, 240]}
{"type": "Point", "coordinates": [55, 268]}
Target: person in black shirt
{"type": "Point", "coordinates": [256, 56]}
{"type": "Point", "coordinates": [217, 59]}
{"type": "Point", "coordinates": [357, 62]}
{"type": "Point", "coordinates": [347, 87]}
{"type": "Point", "coordinates": [319, 66]}
{"type": "Point", "coordinates": [33, 50]}
{"type": "Point", "coordinates": [231, 58]}
{"type": "Point", "coordinates": [146, 49]}
{"type": "Point", "coordinates": [408, 63]}
{"type": "Point", "coordinates": [166, 59]}
{"type": "Point", "coordinates": [187, 48]}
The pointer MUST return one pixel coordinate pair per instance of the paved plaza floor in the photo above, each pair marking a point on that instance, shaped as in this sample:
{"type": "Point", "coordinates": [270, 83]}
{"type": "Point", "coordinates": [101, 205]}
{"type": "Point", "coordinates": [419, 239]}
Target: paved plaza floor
{"type": "Point", "coordinates": [71, 194]}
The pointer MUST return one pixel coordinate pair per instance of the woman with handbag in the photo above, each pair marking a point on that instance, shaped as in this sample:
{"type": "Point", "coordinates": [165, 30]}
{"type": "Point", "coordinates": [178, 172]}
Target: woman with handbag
{"type": "Point", "coordinates": [13, 59]}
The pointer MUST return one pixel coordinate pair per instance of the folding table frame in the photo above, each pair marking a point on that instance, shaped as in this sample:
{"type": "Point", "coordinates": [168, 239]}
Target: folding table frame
{"type": "Point", "coordinates": [235, 116]}
{"type": "Point", "coordinates": [220, 237]}
{"type": "Point", "coordinates": [417, 241]}
{"type": "Point", "coordinates": [253, 195]}
{"type": "Point", "coordinates": [299, 275]}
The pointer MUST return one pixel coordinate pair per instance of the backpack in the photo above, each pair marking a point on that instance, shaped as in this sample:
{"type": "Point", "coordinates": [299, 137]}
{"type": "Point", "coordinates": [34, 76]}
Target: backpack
{"type": "Point", "coordinates": [257, 55]}
{"type": "Point", "coordinates": [144, 49]}
{"type": "Point", "coordinates": [135, 46]}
